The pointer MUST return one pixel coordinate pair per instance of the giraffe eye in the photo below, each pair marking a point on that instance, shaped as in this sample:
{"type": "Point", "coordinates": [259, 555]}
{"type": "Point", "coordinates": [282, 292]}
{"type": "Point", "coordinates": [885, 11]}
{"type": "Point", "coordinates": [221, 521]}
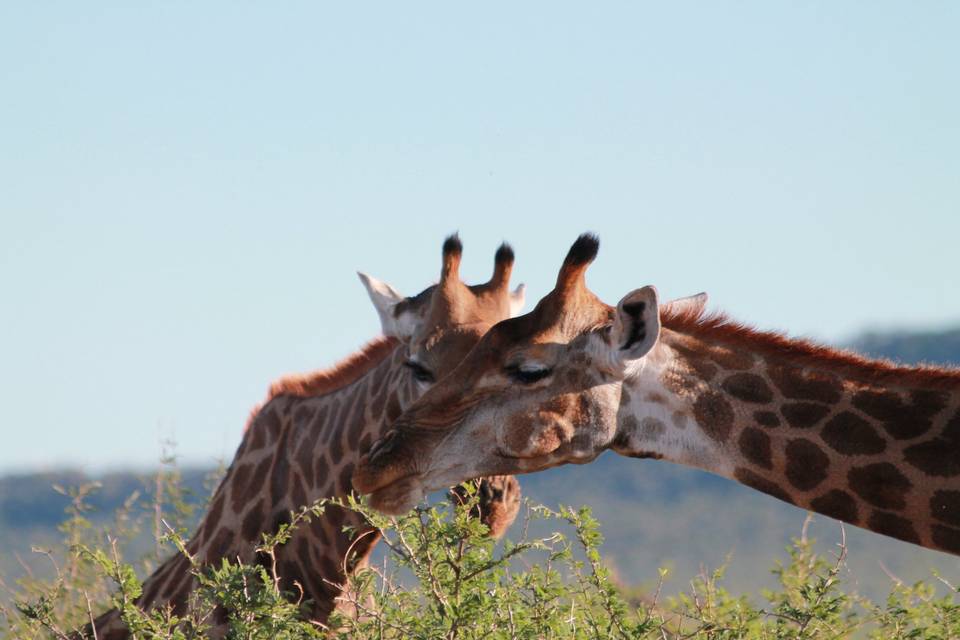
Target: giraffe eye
{"type": "Point", "coordinates": [420, 373]}
{"type": "Point", "coordinates": [528, 374]}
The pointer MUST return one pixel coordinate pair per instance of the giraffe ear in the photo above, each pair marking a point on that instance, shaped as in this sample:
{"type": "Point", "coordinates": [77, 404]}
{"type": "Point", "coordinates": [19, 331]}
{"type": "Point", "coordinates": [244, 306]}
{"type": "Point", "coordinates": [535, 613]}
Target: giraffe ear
{"type": "Point", "coordinates": [517, 299]}
{"type": "Point", "coordinates": [637, 324]}
{"type": "Point", "coordinates": [385, 300]}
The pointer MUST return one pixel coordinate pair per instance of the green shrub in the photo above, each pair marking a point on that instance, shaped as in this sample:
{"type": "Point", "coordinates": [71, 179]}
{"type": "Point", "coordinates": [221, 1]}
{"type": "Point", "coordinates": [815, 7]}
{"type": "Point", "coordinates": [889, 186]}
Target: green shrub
{"type": "Point", "coordinates": [444, 578]}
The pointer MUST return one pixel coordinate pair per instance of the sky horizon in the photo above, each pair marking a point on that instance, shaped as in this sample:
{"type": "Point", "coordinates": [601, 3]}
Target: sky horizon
{"type": "Point", "coordinates": [186, 192]}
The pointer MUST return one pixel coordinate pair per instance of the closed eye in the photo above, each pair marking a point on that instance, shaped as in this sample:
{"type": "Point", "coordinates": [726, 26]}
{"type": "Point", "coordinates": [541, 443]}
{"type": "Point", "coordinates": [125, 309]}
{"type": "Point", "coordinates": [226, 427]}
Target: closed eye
{"type": "Point", "coordinates": [527, 374]}
{"type": "Point", "coordinates": [420, 373]}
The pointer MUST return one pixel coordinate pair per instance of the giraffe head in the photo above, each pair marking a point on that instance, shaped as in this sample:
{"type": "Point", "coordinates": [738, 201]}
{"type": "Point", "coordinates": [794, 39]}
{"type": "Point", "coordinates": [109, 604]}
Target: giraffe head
{"type": "Point", "coordinates": [534, 393]}
{"type": "Point", "coordinates": [497, 505]}
{"type": "Point", "coordinates": [443, 322]}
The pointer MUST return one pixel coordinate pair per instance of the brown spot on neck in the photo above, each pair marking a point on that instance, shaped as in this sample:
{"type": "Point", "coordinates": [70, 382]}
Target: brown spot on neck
{"type": "Point", "coordinates": [836, 504]}
{"type": "Point", "coordinates": [748, 387]}
{"type": "Point", "coordinates": [803, 415]}
{"type": "Point", "coordinates": [797, 383]}
{"type": "Point", "coordinates": [901, 419]}
{"type": "Point", "coordinates": [714, 415]}
{"type": "Point", "coordinates": [758, 482]}
{"type": "Point", "coordinates": [945, 507]}
{"type": "Point", "coordinates": [946, 538]}
{"type": "Point", "coordinates": [890, 524]}
{"type": "Point", "coordinates": [938, 457]}
{"type": "Point", "coordinates": [881, 484]}
{"type": "Point", "coordinates": [767, 419]}
{"type": "Point", "coordinates": [849, 434]}
{"type": "Point", "coordinates": [807, 464]}
{"type": "Point", "coordinates": [694, 362]}
{"type": "Point", "coordinates": [755, 446]}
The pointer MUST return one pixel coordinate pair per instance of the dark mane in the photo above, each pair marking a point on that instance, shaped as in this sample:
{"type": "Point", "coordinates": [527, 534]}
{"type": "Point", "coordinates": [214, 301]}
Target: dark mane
{"type": "Point", "coordinates": [717, 327]}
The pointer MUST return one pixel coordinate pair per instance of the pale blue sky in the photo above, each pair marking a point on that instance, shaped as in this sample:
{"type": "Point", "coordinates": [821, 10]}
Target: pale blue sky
{"type": "Point", "coordinates": [187, 189]}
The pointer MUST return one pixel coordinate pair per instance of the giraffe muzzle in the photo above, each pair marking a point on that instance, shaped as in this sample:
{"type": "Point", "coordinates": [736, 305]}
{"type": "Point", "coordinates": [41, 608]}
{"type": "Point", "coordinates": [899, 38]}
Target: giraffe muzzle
{"type": "Point", "coordinates": [398, 497]}
{"type": "Point", "coordinates": [388, 470]}
{"type": "Point", "coordinates": [392, 490]}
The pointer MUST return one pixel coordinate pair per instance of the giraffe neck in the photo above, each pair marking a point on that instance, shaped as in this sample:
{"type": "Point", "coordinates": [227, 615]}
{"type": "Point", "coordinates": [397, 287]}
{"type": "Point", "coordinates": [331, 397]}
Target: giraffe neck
{"type": "Point", "coordinates": [867, 443]}
{"type": "Point", "coordinates": [298, 448]}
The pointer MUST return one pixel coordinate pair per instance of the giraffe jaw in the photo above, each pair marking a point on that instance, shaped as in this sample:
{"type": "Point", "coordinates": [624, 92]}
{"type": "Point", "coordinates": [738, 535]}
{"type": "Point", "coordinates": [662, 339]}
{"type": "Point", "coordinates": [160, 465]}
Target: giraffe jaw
{"type": "Point", "coordinates": [399, 496]}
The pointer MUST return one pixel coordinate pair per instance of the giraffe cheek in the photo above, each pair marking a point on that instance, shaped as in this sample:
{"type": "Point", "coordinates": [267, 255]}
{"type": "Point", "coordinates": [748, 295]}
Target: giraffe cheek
{"type": "Point", "coordinates": [535, 436]}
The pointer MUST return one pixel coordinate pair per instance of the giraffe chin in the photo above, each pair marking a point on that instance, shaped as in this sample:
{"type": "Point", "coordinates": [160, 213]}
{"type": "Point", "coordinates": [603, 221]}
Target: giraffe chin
{"type": "Point", "coordinates": [398, 497]}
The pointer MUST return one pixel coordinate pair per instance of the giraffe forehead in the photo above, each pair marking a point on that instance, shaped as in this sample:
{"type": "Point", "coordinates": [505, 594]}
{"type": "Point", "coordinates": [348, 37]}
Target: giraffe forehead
{"type": "Point", "coordinates": [442, 343]}
{"type": "Point", "coordinates": [463, 305]}
{"type": "Point", "coordinates": [557, 318]}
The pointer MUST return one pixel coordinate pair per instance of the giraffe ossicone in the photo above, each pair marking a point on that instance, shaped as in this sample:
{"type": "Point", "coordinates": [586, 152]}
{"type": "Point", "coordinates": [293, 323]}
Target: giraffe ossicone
{"type": "Point", "coordinates": [864, 441]}
{"type": "Point", "coordinates": [302, 443]}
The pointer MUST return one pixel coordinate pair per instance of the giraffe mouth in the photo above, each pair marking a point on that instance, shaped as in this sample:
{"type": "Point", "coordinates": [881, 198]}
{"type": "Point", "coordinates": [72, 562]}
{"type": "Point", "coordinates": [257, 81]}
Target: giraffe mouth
{"type": "Point", "coordinates": [398, 497]}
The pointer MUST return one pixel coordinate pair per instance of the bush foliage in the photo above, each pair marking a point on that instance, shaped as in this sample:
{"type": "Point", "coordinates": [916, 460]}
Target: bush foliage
{"type": "Point", "coordinates": [442, 577]}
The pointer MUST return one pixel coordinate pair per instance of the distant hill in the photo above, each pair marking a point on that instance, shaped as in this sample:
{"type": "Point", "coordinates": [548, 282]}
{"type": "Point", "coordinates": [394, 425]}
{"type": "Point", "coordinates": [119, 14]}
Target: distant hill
{"type": "Point", "coordinates": [653, 513]}
{"type": "Point", "coordinates": [28, 501]}
{"type": "Point", "coordinates": [933, 347]}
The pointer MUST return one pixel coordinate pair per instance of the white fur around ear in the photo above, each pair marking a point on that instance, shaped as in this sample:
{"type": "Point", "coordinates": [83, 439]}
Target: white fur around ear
{"type": "Point", "coordinates": [694, 304]}
{"type": "Point", "coordinates": [637, 324]}
{"type": "Point", "coordinates": [385, 298]}
{"type": "Point", "coordinates": [517, 299]}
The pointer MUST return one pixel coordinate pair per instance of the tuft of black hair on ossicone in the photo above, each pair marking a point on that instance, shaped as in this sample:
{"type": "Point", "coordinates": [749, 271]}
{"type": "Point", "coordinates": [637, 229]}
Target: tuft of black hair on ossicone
{"type": "Point", "coordinates": [583, 251]}
{"type": "Point", "coordinates": [452, 245]}
{"type": "Point", "coordinates": [504, 254]}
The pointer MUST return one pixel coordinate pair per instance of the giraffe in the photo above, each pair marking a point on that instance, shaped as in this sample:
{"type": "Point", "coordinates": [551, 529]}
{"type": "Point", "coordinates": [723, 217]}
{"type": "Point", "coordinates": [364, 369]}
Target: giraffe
{"type": "Point", "coordinates": [301, 444]}
{"type": "Point", "coordinates": [868, 442]}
